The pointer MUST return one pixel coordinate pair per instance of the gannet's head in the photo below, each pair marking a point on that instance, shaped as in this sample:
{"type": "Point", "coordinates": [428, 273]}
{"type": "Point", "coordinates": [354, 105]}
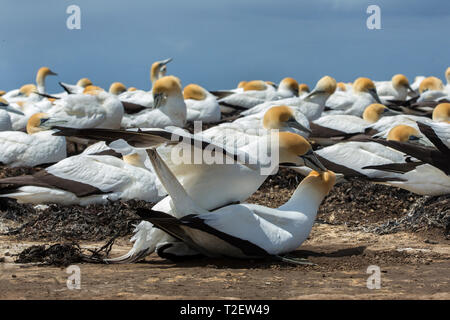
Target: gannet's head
{"type": "Point", "coordinates": [194, 92]}
{"type": "Point", "coordinates": [441, 112]}
{"type": "Point", "coordinates": [373, 112]}
{"type": "Point", "coordinates": [132, 89]}
{"type": "Point", "coordinates": [41, 122]}
{"type": "Point", "coordinates": [321, 182]}
{"type": "Point", "coordinates": [341, 86]}
{"type": "Point", "coordinates": [4, 105]}
{"type": "Point", "coordinates": [302, 89]}
{"type": "Point", "coordinates": [400, 81]}
{"type": "Point", "coordinates": [403, 133]}
{"type": "Point", "coordinates": [2, 92]}
{"type": "Point", "coordinates": [117, 88]}
{"type": "Point", "coordinates": [326, 85]}
{"type": "Point", "coordinates": [92, 90]}
{"type": "Point", "coordinates": [136, 159]}
{"type": "Point", "coordinates": [27, 89]}
{"type": "Point", "coordinates": [367, 86]}
{"type": "Point", "coordinates": [255, 85]}
{"type": "Point", "coordinates": [84, 82]}
{"type": "Point", "coordinates": [241, 84]}
{"type": "Point", "coordinates": [164, 88]}
{"type": "Point", "coordinates": [44, 72]}
{"type": "Point", "coordinates": [158, 69]}
{"type": "Point", "coordinates": [280, 117]}
{"type": "Point", "coordinates": [294, 150]}
{"type": "Point", "coordinates": [431, 84]}
{"type": "Point", "coordinates": [447, 75]}
{"type": "Point", "coordinates": [289, 84]}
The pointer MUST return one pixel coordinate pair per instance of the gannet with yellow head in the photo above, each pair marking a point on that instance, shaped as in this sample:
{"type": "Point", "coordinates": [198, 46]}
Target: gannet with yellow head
{"type": "Point", "coordinates": [117, 88]}
{"type": "Point", "coordinates": [169, 108]}
{"type": "Point", "coordinates": [201, 104]}
{"type": "Point", "coordinates": [396, 89]}
{"type": "Point", "coordinates": [298, 214]}
{"type": "Point", "coordinates": [41, 76]}
{"type": "Point", "coordinates": [311, 105]}
{"type": "Point", "coordinates": [36, 146]}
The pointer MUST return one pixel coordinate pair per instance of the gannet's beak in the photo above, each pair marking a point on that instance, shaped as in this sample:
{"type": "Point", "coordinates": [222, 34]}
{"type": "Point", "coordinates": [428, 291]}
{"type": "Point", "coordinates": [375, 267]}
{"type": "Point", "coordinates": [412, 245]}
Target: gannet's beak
{"type": "Point", "coordinates": [158, 100]}
{"type": "Point", "coordinates": [374, 94]}
{"type": "Point", "coordinates": [164, 62]}
{"type": "Point", "coordinates": [312, 162]}
{"type": "Point", "coordinates": [297, 125]}
{"type": "Point", "coordinates": [51, 73]}
{"type": "Point", "coordinates": [48, 123]}
{"type": "Point", "coordinates": [312, 93]}
{"type": "Point", "coordinates": [390, 112]}
{"type": "Point", "coordinates": [8, 108]}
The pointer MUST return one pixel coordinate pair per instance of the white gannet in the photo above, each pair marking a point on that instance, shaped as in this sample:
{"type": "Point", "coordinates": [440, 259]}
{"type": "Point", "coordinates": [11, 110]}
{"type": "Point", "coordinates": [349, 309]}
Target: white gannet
{"type": "Point", "coordinates": [303, 90]}
{"type": "Point", "coordinates": [94, 108]}
{"type": "Point", "coordinates": [379, 163]}
{"type": "Point", "coordinates": [201, 105]}
{"type": "Point", "coordinates": [432, 89]}
{"type": "Point", "coordinates": [142, 97]}
{"type": "Point", "coordinates": [244, 130]}
{"type": "Point", "coordinates": [257, 91]}
{"type": "Point", "coordinates": [240, 230]}
{"type": "Point", "coordinates": [334, 125]}
{"type": "Point", "coordinates": [37, 146]}
{"type": "Point", "coordinates": [396, 89]}
{"type": "Point", "coordinates": [5, 119]}
{"type": "Point", "coordinates": [363, 94]}
{"type": "Point", "coordinates": [76, 88]}
{"type": "Point", "coordinates": [217, 180]}
{"type": "Point", "coordinates": [169, 107]}
{"type": "Point", "coordinates": [117, 88]}
{"type": "Point", "coordinates": [87, 179]}
{"type": "Point", "coordinates": [29, 103]}
{"type": "Point", "coordinates": [311, 105]}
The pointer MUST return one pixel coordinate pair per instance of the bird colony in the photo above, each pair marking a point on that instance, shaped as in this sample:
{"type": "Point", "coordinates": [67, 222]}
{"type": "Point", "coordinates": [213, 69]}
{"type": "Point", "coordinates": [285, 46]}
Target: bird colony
{"type": "Point", "coordinates": [130, 143]}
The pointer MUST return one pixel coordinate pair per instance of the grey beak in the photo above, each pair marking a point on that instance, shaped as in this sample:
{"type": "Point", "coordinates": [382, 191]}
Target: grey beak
{"type": "Point", "coordinates": [164, 62]}
{"type": "Point", "coordinates": [297, 125]}
{"type": "Point", "coordinates": [374, 94]}
{"type": "Point", "coordinates": [312, 162]}
{"type": "Point", "coordinates": [312, 93]}
{"type": "Point", "coordinates": [8, 108]}
{"type": "Point", "coordinates": [158, 100]}
{"type": "Point", "coordinates": [390, 112]}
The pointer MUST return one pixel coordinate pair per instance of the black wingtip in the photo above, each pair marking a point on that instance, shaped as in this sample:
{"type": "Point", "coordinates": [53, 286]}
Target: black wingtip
{"type": "Point", "coordinates": [65, 88]}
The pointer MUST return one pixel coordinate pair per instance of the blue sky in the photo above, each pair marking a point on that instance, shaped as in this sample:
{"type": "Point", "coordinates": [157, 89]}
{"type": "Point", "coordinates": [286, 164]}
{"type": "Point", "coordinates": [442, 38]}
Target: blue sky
{"type": "Point", "coordinates": [218, 43]}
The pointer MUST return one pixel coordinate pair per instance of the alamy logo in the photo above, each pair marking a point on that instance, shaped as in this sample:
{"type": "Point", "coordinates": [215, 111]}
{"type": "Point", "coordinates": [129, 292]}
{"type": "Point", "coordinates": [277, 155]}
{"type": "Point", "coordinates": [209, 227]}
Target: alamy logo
{"type": "Point", "coordinates": [74, 20]}
{"type": "Point", "coordinates": [374, 20]}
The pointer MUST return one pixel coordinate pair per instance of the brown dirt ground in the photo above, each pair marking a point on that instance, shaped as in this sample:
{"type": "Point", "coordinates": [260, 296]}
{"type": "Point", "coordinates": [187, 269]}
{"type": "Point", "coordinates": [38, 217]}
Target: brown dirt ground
{"type": "Point", "coordinates": [359, 224]}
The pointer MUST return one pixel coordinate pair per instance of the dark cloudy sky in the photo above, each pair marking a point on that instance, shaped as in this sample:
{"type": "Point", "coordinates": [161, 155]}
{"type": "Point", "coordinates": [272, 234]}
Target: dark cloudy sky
{"type": "Point", "coordinates": [218, 43]}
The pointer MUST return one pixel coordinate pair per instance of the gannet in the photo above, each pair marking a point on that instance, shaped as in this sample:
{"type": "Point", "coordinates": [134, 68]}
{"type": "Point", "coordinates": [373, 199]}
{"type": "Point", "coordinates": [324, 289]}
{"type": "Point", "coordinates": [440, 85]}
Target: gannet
{"type": "Point", "coordinates": [376, 162]}
{"type": "Point", "coordinates": [145, 98]}
{"type": "Point", "coordinates": [303, 90]}
{"type": "Point", "coordinates": [363, 94]}
{"type": "Point", "coordinates": [311, 105]}
{"type": "Point", "coordinates": [396, 89]}
{"type": "Point", "coordinates": [5, 119]}
{"type": "Point", "coordinates": [87, 179]}
{"type": "Point", "coordinates": [339, 125]}
{"type": "Point", "coordinates": [257, 91]}
{"type": "Point", "coordinates": [432, 89]}
{"type": "Point", "coordinates": [94, 108]}
{"type": "Point", "coordinates": [116, 88]}
{"type": "Point", "coordinates": [169, 107]}
{"type": "Point", "coordinates": [247, 169]}
{"type": "Point", "coordinates": [244, 130]}
{"type": "Point", "coordinates": [201, 105]}
{"type": "Point", "coordinates": [240, 230]}
{"type": "Point", "coordinates": [76, 88]}
{"type": "Point", "coordinates": [35, 147]}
